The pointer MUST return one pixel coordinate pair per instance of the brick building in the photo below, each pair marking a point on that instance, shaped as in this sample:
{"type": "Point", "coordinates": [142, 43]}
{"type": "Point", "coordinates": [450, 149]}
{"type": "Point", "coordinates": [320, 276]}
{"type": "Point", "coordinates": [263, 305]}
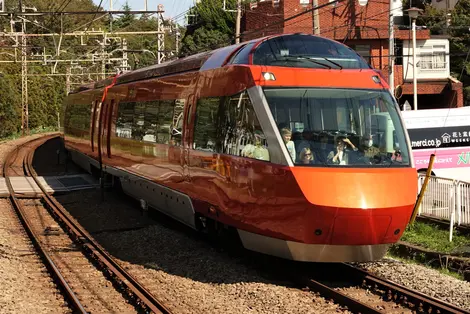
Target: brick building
{"type": "Point", "coordinates": [363, 25]}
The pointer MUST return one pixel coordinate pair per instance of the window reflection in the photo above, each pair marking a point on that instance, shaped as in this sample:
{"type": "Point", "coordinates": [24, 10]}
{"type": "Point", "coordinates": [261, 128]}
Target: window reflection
{"type": "Point", "coordinates": [228, 125]}
{"type": "Point", "coordinates": [339, 126]}
{"type": "Point", "coordinates": [77, 119]}
{"type": "Point", "coordinates": [306, 51]}
{"type": "Point", "coordinates": [158, 121]}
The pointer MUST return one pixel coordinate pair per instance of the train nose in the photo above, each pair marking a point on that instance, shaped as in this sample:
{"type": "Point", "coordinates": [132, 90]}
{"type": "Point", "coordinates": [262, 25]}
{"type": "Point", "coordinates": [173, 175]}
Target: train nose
{"type": "Point", "coordinates": [360, 230]}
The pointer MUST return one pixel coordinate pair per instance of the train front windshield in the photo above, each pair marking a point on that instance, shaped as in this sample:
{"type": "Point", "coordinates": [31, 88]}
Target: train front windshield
{"type": "Point", "coordinates": [339, 127]}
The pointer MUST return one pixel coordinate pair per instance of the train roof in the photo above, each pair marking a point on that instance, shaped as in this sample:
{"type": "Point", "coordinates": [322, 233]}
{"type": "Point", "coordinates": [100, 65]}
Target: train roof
{"type": "Point", "coordinates": [222, 56]}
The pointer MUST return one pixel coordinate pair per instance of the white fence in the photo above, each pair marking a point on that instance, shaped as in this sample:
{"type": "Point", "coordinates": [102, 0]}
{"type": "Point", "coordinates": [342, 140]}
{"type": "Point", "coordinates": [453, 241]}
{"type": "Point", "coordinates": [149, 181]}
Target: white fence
{"type": "Point", "coordinates": [446, 199]}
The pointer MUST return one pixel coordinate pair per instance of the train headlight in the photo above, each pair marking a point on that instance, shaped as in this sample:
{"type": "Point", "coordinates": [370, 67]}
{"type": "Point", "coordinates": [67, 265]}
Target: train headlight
{"type": "Point", "coordinates": [268, 76]}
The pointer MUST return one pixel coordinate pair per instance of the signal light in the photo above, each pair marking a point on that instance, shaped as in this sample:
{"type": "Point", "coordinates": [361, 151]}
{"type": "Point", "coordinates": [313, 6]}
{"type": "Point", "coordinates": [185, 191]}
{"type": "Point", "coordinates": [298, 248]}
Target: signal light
{"type": "Point", "coordinates": [268, 76]}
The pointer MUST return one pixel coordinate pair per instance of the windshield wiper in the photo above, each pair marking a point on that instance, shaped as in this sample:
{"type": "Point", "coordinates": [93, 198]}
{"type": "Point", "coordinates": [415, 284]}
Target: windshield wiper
{"type": "Point", "coordinates": [299, 59]}
{"type": "Point", "coordinates": [324, 58]}
{"type": "Point", "coordinates": [335, 63]}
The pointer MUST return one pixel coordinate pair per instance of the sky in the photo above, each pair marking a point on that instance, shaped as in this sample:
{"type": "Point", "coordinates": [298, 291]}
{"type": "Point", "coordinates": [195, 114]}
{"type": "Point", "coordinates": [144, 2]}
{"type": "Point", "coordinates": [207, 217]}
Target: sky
{"type": "Point", "coordinates": [172, 7]}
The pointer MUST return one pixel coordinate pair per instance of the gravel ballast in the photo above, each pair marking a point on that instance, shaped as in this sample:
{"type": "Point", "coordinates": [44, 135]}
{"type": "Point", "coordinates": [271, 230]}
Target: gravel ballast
{"type": "Point", "coordinates": [26, 286]}
{"type": "Point", "coordinates": [194, 278]}
{"type": "Point", "coordinates": [426, 280]}
{"type": "Point", "coordinates": [187, 274]}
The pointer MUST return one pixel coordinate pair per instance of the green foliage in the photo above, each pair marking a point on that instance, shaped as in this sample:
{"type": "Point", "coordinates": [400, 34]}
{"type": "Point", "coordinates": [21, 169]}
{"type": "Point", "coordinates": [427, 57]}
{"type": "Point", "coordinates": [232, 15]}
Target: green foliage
{"type": "Point", "coordinates": [127, 19]}
{"type": "Point", "coordinates": [432, 237]}
{"type": "Point", "coordinates": [466, 94]}
{"type": "Point", "coordinates": [10, 113]}
{"type": "Point", "coordinates": [46, 93]}
{"type": "Point", "coordinates": [211, 27]}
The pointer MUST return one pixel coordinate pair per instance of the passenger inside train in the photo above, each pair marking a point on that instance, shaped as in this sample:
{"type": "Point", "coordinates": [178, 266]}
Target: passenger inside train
{"type": "Point", "coordinates": [306, 156]}
{"type": "Point", "coordinates": [342, 156]}
{"type": "Point", "coordinates": [342, 127]}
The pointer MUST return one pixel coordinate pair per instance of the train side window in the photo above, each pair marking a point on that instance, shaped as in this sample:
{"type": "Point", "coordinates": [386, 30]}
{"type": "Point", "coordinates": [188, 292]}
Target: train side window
{"type": "Point", "coordinates": [251, 141]}
{"type": "Point", "coordinates": [177, 123]}
{"type": "Point", "coordinates": [78, 120]}
{"type": "Point", "coordinates": [150, 121]}
{"type": "Point", "coordinates": [229, 125]}
{"type": "Point", "coordinates": [205, 132]}
{"type": "Point", "coordinates": [242, 56]}
{"type": "Point", "coordinates": [125, 120]}
{"type": "Point", "coordinates": [138, 130]}
{"type": "Point", "coordinates": [164, 121]}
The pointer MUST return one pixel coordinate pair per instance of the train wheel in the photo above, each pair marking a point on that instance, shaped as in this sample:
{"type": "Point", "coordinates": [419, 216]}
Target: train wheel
{"type": "Point", "coordinates": [116, 184]}
{"type": "Point", "coordinates": [222, 237]}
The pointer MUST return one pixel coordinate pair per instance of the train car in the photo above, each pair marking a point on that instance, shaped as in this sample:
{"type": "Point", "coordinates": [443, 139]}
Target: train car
{"type": "Point", "coordinates": [291, 141]}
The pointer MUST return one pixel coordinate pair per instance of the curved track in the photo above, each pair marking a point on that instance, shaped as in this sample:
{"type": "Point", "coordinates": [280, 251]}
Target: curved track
{"type": "Point", "coordinates": [53, 269]}
{"type": "Point", "coordinates": [20, 160]}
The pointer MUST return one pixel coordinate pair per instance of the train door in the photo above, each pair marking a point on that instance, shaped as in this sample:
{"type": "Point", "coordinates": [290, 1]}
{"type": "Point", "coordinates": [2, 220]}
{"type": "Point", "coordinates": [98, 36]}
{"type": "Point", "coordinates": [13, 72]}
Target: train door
{"type": "Point", "coordinates": [101, 130]}
{"type": "Point", "coordinates": [109, 127]}
{"type": "Point", "coordinates": [105, 128]}
{"type": "Point", "coordinates": [94, 126]}
{"type": "Point", "coordinates": [188, 131]}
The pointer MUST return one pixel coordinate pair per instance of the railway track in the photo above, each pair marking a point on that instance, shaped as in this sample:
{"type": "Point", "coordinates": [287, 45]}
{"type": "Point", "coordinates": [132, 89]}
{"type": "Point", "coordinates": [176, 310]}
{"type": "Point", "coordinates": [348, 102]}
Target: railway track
{"type": "Point", "coordinates": [321, 281]}
{"type": "Point", "coordinates": [334, 281]}
{"type": "Point", "coordinates": [327, 278]}
{"type": "Point", "coordinates": [64, 250]}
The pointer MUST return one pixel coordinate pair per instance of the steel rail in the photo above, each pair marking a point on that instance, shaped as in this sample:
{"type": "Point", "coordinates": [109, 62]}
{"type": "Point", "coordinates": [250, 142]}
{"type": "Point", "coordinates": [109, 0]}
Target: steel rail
{"type": "Point", "coordinates": [339, 297]}
{"type": "Point", "coordinates": [147, 300]}
{"type": "Point", "coordinates": [50, 265]}
{"type": "Point", "coordinates": [409, 297]}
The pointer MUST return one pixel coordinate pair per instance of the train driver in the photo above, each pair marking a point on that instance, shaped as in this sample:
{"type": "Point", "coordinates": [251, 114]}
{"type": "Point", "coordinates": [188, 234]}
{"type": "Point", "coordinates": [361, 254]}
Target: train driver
{"type": "Point", "coordinates": [368, 152]}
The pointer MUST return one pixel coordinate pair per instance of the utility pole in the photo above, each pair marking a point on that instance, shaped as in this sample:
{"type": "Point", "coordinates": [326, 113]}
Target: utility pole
{"type": "Point", "coordinates": [67, 80]}
{"type": "Point", "coordinates": [238, 21]}
{"type": "Point", "coordinates": [177, 42]}
{"type": "Point", "coordinates": [316, 19]}
{"type": "Point", "coordinates": [160, 35]}
{"type": "Point", "coordinates": [391, 50]}
{"type": "Point", "coordinates": [125, 63]}
{"type": "Point", "coordinates": [24, 78]}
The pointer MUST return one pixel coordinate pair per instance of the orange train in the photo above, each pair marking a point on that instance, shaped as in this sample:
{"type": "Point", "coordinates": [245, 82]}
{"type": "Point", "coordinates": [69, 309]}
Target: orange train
{"type": "Point", "coordinates": [293, 141]}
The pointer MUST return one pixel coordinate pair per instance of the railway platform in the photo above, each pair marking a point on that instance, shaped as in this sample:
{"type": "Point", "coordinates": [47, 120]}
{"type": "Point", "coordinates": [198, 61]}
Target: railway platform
{"type": "Point", "coordinates": [27, 188]}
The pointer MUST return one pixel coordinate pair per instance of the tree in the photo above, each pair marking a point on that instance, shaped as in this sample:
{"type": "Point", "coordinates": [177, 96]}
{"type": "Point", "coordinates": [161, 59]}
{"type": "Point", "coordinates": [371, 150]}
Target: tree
{"type": "Point", "coordinates": [211, 27]}
{"type": "Point", "coordinates": [125, 20]}
{"type": "Point", "coordinates": [10, 113]}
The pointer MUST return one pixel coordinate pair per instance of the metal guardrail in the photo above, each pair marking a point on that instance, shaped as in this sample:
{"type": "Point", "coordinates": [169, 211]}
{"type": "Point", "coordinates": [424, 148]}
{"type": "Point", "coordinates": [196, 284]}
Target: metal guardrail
{"type": "Point", "coordinates": [446, 199]}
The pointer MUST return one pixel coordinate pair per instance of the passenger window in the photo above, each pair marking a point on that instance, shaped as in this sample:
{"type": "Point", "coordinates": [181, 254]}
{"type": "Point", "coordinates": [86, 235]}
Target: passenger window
{"type": "Point", "coordinates": [164, 120]}
{"type": "Point", "coordinates": [205, 128]}
{"type": "Point", "coordinates": [150, 121]}
{"type": "Point", "coordinates": [242, 56]}
{"type": "Point", "coordinates": [229, 125]}
{"type": "Point", "coordinates": [125, 120]}
{"type": "Point", "coordinates": [77, 120]}
{"type": "Point", "coordinates": [177, 124]}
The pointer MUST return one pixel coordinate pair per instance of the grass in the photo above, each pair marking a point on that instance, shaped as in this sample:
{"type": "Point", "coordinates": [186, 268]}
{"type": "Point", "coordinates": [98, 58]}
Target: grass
{"type": "Point", "coordinates": [444, 271]}
{"type": "Point", "coordinates": [433, 237]}
{"type": "Point", "coordinates": [31, 132]}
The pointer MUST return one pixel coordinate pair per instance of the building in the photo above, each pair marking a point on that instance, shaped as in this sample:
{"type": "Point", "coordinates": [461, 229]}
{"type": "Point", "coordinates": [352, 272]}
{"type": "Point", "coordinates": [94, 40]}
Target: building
{"type": "Point", "coordinates": [364, 26]}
